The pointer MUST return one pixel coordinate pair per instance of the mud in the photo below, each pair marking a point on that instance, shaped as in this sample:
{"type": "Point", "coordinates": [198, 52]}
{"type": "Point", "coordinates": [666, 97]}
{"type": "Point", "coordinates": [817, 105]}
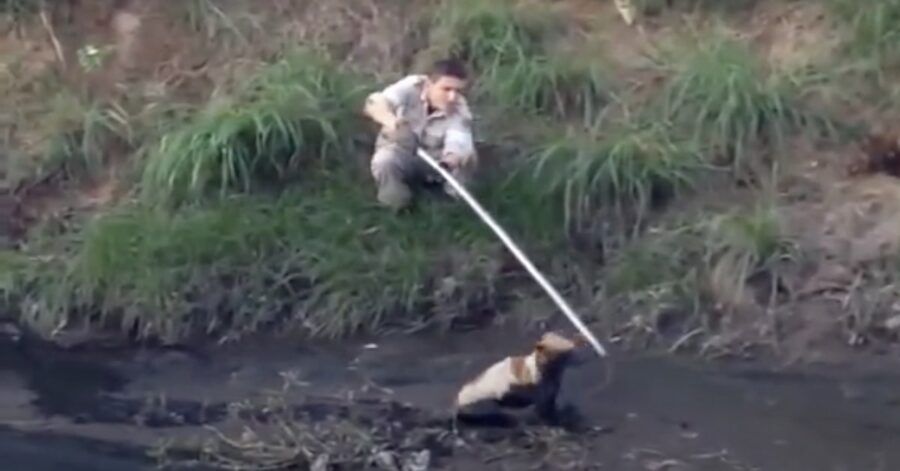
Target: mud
{"type": "Point", "coordinates": [109, 410]}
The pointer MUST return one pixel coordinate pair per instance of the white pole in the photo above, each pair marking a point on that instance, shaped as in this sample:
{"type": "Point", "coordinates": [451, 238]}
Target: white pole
{"type": "Point", "coordinates": [560, 302]}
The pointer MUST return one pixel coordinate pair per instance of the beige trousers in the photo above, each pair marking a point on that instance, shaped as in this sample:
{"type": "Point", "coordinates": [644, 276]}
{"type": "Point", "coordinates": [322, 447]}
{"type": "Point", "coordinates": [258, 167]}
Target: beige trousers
{"type": "Point", "coordinates": [397, 169]}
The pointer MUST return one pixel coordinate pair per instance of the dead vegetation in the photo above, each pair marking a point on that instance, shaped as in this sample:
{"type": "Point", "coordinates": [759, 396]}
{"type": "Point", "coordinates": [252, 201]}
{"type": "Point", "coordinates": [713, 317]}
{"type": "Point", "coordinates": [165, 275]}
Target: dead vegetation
{"type": "Point", "coordinates": [365, 432]}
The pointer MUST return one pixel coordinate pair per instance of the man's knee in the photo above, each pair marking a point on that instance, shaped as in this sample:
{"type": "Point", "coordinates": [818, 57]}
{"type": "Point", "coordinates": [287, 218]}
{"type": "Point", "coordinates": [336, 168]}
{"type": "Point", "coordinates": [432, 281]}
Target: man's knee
{"type": "Point", "coordinates": [389, 172]}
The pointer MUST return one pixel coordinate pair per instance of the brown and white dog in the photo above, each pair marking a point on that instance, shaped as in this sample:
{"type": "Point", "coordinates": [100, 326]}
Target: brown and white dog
{"type": "Point", "coordinates": [518, 382]}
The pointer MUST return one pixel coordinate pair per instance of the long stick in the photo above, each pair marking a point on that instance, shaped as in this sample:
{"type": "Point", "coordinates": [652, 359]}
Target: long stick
{"type": "Point", "coordinates": [560, 302]}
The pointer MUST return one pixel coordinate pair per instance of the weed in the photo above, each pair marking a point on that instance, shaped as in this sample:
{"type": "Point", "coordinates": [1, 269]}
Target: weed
{"type": "Point", "coordinates": [874, 31]}
{"type": "Point", "coordinates": [702, 269]}
{"type": "Point", "coordinates": [743, 245]}
{"type": "Point", "coordinates": [489, 34]}
{"type": "Point", "coordinates": [509, 46]}
{"type": "Point", "coordinates": [642, 267]}
{"type": "Point", "coordinates": [548, 85]}
{"type": "Point", "coordinates": [205, 16]}
{"type": "Point", "coordinates": [299, 110]}
{"type": "Point", "coordinates": [325, 258]}
{"type": "Point", "coordinates": [727, 102]}
{"type": "Point", "coordinates": [85, 134]}
{"type": "Point", "coordinates": [71, 138]}
{"type": "Point", "coordinates": [626, 167]}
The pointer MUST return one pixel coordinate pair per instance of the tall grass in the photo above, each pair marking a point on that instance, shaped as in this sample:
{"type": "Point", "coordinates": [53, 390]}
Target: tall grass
{"type": "Point", "coordinates": [85, 133]}
{"type": "Point", "coordinates": [701, 273]}
{"type": "Point", "coordinates": [300, 110]}
{"type": "Point", "coordinates": [626, 167]}
{"type": "Point", "coordinates": [68, 137]}
{"type": "Point", "coordinates": [324, 258]}
{"type": "Point", "coordinates": [510, 46]}
{"type": "Point", "coordinates": [742, 245]}
{"type": "Point", "coordinates": [874, 31]}
{"type": "Point", "coordinates": [727, 102]}
{"type": "Point", "coordinates": [488, 34]}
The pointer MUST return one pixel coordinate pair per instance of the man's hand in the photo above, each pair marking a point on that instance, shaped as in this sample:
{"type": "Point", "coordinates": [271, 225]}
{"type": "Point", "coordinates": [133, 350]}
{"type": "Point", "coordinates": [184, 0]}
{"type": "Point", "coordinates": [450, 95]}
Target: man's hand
{"type": "Point", "coordinates": [400, 131]}
{"type": "Point", "coordinates": [451, 161]}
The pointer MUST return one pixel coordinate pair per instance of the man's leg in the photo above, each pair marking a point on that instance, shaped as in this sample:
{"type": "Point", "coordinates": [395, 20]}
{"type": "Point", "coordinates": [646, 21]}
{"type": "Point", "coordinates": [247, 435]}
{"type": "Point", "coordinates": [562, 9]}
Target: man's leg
{"type": "Point", "coordinates": [393, 168]}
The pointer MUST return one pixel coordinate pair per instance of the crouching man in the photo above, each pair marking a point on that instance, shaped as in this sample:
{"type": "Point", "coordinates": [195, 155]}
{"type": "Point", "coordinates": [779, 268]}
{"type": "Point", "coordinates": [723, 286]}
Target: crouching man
{"type": "Point", "coordinates": [427, 111]}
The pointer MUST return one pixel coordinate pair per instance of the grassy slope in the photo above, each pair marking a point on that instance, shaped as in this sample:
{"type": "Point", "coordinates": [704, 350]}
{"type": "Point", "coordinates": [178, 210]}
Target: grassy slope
{"type": "Point", "coordinates": [252, 207]}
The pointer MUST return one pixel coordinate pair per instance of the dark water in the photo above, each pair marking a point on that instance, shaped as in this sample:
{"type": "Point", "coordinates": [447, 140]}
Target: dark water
{"type": "Point", "coordinates": [101, 411]}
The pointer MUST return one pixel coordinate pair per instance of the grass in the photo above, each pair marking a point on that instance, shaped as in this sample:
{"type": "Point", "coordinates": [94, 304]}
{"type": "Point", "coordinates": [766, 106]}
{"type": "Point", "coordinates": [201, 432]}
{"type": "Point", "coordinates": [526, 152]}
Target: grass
{"type": "Point", "coordinates": [317, 254]}
{"type": "Point", "coordinates": [85, 133]}
{"type": "Point", "coordinates": [743, 245]}
{"type": "Point", "coordinates": [700, 273]}
{"type": "Point", "coordinates": [548, 86]}
{"type": "Point", "coordinates": [70, 137]}
{"type": "Point", "coordinates": [489, 34]}
{"type": "Point", "coordinates": [628, 166]}
{"type": "Point", "coordinates": [301, 109]}
{"type": "Point", "coordinates": [323, 258]}
{"type": "Point", "coordinates": [727, 102]}
{"type": "Point", "coordinates": [645, 265]}
{"type": "Point", "coordinates": [874, 28]}
{"type": "Point", "coordinates": [510, 46]}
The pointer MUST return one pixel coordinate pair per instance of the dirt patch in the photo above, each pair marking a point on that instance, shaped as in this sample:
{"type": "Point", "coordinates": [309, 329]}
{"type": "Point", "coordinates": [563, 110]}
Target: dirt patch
{"type": "Point", "coordinates": [858, 221]}
{"type": "Point", "coordinates": [845, 295]}
{"type": "Point", "coordinates": [794, 35]}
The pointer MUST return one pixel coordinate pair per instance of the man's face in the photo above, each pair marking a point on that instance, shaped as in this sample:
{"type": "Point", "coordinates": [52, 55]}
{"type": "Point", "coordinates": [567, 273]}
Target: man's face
{"type": "Point", "coordinates": [444, 92]}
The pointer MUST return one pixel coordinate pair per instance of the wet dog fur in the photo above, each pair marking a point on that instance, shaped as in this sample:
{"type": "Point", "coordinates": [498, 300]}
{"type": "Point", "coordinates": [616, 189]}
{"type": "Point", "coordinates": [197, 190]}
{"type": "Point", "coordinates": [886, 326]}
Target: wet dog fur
{"type": "Point", "coordinates": [516, 383]}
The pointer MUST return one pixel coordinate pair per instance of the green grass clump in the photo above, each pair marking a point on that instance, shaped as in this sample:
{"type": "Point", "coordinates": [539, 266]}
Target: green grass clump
{"type": "Point", "coordinates": [509, 45]}
{"type": "Point", "coordinates": [742, 245]}
{"type": "Point", "coordinates": [325, 258]}
{"type": "Point", "coordinates": [85, 133]}
{"type": "Point", "coordinates": [727, 102]}
{"type": "Point", "coordinates": [646, 265]}
{"type": "Point", "coordinates": [699, 270]}
{"type": "Point", "coordinates": [301, 109]}
{"type": "Point", "coordinates": [625, 167]}
{"type": "Point", "coordinates": [69, 137]}
{"type": "Point", "coordinates": [548, 85]}
{"type": "Point", "coordinates": [874, 31]}
{"type": "Point", "coordinates": [487, 34]}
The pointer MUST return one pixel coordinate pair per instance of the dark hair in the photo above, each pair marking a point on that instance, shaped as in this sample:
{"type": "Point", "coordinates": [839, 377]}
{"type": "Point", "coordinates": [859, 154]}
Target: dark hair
{"type": "Point", "coordinates": [448, 67]}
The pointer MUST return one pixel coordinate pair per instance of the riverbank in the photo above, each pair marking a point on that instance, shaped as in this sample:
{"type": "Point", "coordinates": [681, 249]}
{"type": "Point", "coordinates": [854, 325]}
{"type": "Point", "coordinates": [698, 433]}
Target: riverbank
{"type": "Point", "coordinates": [711, 219]}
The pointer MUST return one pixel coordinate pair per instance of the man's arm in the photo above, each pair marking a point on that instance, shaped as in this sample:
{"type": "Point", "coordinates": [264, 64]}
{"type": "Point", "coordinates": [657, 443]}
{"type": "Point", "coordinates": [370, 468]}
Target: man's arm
{"type": "Point", "coordinates": [382, 106]}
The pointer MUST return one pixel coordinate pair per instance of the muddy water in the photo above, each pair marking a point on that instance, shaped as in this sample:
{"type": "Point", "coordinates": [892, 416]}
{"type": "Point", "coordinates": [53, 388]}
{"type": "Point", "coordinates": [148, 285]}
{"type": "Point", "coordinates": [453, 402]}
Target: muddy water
{"type": "Point", "coordinates": [102, 411]}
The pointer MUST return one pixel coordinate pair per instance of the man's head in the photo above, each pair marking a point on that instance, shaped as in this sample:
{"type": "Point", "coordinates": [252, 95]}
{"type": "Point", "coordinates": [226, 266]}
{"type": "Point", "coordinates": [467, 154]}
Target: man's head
{"type": "Point", "coordinates": [446, 83]}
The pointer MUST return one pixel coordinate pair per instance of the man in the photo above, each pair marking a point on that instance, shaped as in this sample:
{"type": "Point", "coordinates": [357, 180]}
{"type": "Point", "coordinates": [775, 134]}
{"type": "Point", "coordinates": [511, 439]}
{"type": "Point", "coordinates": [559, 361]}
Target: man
{"type": "Point", "coordinates": [428, 111]}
